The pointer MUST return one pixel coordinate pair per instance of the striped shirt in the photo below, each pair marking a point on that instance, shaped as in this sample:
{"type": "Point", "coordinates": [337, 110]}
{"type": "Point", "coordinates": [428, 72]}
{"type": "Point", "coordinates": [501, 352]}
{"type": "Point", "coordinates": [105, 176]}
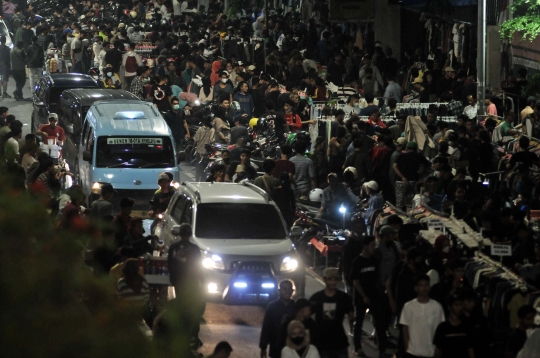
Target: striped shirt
{"type": "Point", "coordinates": [124, 292]}
{"type": "Point", "coordinates": [304, 172]}
{"type": "Point", "coordinates": [345, 92]}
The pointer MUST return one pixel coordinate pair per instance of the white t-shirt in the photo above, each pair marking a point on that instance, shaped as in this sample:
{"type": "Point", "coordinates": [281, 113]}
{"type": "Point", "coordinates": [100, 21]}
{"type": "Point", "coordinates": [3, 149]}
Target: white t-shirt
{"type": "Point", "coordinates": [422, 320]}
{"type": "Point", "coordinates": [287, 352]}
{"type": "Point", "coordinates": [27, 161]}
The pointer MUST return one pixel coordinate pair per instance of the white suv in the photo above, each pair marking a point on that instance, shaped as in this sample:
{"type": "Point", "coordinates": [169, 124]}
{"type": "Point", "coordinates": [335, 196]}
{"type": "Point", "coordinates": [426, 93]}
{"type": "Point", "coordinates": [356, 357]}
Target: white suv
{"type": "Point", "coordinates": [243, 240]}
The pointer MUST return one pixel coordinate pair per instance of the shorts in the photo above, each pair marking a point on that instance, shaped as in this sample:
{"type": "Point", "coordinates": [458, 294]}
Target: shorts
{"type": "Point", "coordinates": [4, 74]}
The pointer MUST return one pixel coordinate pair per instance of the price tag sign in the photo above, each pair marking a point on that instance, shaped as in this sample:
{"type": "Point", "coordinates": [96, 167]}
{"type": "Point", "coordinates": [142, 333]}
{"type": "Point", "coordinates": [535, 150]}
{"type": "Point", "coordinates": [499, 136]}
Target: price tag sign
{"type": "Point", "coordinates": [501, 250]}
{"type": "Point", "coordinates": [435, 224]}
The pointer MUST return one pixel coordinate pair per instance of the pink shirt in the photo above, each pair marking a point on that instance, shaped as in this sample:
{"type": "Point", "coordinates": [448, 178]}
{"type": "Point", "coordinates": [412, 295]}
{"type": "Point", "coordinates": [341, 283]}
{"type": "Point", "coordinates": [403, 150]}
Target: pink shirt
{"type": "Point", "coordinates": [491, 109]}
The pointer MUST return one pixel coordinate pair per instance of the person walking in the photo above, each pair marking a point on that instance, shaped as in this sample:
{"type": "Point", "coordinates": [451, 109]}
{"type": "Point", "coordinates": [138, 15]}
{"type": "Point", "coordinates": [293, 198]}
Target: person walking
{"type": "Point", "coordinates": [5, 66]}
{"type": "Point", "coordinates": [18, 69]}
{"type": "Point", "coordinates": [35, 62]}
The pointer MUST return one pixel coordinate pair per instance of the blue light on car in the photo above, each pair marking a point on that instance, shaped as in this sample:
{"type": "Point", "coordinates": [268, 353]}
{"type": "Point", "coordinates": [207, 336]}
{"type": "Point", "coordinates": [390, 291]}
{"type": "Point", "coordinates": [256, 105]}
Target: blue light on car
{"type": "Point", "coordinates": [268, 285]}
{"type": "Point", "coordinates": [240, 285]}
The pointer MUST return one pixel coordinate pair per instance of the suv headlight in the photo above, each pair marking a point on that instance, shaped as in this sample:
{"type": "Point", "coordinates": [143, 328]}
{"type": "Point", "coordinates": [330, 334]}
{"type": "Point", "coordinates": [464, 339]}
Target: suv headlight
{"type": "Point", "coordinates": [288, 264]}
{"type": "Point", "coordinates": [211, 261]}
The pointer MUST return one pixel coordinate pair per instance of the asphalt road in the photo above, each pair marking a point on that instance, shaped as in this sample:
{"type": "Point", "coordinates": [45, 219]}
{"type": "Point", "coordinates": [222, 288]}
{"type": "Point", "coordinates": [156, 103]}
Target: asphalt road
{"type": "Point", "coordinates": [239, 325]}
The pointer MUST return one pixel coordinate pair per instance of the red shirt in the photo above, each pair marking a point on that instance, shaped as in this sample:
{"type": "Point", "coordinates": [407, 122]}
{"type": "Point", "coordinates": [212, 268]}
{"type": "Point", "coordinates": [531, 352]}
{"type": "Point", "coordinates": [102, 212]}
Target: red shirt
{"type": "Point", "coordinates": [295, 122]}
{"type": "Point", "coordinates": [55, 132]}
{"type": "Point", "coordinates": [376, 122]}
{"type": "Point", "coordinates": [283, 166]}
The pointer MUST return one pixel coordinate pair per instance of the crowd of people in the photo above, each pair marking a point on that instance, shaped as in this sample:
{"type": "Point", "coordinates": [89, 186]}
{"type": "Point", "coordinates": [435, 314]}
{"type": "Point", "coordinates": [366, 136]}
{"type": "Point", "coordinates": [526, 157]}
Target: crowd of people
{"type": "Point", "coordinates": [202, 56]}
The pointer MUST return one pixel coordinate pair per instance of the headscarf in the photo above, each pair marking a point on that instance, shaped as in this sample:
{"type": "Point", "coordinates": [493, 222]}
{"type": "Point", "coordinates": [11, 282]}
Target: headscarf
{"type": "Point", "coordinates": [214, 76]}
{"type": "Point", "coordinates": [295, 325]}
{"type": "Point", "coordinates": [207, 85]}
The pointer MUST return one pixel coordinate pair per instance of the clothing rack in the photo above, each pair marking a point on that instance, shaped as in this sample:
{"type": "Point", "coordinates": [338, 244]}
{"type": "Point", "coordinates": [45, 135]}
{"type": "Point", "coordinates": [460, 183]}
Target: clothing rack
{"type": "Point", "coordinates": [511, 276]}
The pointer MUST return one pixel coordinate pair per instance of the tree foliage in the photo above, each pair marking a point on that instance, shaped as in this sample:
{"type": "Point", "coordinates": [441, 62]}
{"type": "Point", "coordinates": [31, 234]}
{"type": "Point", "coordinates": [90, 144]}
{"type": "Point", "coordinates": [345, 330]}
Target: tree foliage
{"type": "Point", "coordinates": [526, 20]}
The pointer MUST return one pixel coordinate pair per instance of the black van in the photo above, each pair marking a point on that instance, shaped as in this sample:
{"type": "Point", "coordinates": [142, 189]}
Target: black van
{"type": "Point", "coordinates": [72, 108]}
{"type": "Point", "coordinates": [48, 90]}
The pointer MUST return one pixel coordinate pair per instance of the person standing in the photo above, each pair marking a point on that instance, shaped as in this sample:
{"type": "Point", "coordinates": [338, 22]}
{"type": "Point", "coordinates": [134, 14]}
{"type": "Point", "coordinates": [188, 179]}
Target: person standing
{"type": "Point", "coordinates": [453, 338]}
{"type": "Point", "coordinates": [304, 171]}
{"type": "Point", "coordinates": [35, 62]}
{"type": "Point", "coordinates": [131, 61]}
{"type": "Point", "coordinates": [18, 69]}
{"type": "Point", "coordinates": [103, 208]}
{"type": "Point", "coordinates": [184, 262]}
{"type": "Point", "coordinates": [367, 294]}
{"type": "Point", "coordinates": [5, 66]}
{"type": "Point", "coordinates": [330, 307]}
{"type": "Point", "coordinates": [274, 315]}
{"type": "Point", "coordinates": [176, 122]}
{"type": "Point", "coordinates": [77, 51]}
{"type": "Point", "coordinates": [518, 337]}
{"type": "Point", "coordinates": [245, 100]}
{"type": "Point", "coordinates": [406, 167]}
{"type": "Point", "coordinates": [420, 318]}
{"type": "Point", "coordinates": [137, 84]}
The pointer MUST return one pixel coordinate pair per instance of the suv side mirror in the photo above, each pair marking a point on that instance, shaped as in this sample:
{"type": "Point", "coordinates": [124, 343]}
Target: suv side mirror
{"type": "Point", "coordinates": [180, 157]}
{"type": "Point", "coordinates": [87, 156]}
{"type": "Point", "coordinates": [175, 231]}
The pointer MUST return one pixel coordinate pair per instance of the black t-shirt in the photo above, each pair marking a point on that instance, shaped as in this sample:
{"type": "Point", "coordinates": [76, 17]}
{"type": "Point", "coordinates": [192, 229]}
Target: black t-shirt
{"type": "Point", "coordinates": [527, 158]}
{"type": "Point", "coordinates": [424, 96]}
{"type": "Point", "coordinates": [329, 314]}
{"type": "Point", "coordinates": [453, 341]}
{"type": "Point", "coordinates": [237, 132]}
{"type": "Point", "coordinates": [160, 96]}
{"type": "Point", "coordinates": [365, 271]}
{"type": "Point", "coordinates": [516, 341]}
{"type": "Point", "coordinates": [277, 120]}
{"type": "Point", "coordinates": [409, 164]}
{"type": "Point", "coordinates": [161, 201]}
{"type": "Point", "coordinates": [184, 260]}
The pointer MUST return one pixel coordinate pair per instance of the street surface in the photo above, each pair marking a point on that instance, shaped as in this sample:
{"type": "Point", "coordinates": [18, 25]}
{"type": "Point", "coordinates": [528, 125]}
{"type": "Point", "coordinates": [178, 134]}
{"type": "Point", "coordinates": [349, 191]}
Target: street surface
{"type": "Point", "coordinates": [239, 325]}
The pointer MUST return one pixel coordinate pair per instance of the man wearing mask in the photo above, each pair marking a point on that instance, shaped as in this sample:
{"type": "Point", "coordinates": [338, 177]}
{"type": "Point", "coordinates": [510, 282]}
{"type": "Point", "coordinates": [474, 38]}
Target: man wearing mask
{"type": "Point", "coordinates": [352, 106]}
{"type": "Point", "coordinates": [176, 122]}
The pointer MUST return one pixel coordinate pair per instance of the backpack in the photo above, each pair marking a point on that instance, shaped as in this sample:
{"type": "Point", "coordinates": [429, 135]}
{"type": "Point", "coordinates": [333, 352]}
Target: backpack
{"type": "Point", "coordinates": [131, 64]}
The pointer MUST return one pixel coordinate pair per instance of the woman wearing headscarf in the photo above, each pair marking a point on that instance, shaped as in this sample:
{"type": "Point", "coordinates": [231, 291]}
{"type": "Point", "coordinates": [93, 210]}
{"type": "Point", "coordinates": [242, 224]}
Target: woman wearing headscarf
{"type": "Point", "coordinates": [207, 91]}
{"type": "Point", "coordinates": [132, 286]}
{"type": "Point", "coordinates": [297, 345]}
{"type": "Point", "coordinates": [214, 76]}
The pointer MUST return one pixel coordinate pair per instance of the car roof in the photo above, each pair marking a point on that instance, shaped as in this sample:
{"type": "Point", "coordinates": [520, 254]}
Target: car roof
{"type": "Point", "coordinates": [225, 193]}
{"type": "Point", "coordinates": [73, 80]}
{"type": "Point", "coordinates": [104, 113]}
{"type": "Point", "coordinates": [90, 95]}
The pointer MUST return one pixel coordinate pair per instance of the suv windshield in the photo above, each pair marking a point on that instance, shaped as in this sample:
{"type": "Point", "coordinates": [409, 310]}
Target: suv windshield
{"type": "Point", "coordinates": [238, 221]}
{"type": "Point", "coordinates": [134, 152]}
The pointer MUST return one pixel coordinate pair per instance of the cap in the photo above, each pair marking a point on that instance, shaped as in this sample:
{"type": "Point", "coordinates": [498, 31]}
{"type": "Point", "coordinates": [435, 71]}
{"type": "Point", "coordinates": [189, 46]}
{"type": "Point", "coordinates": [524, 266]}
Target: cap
{"type": "Point", "coordinates": [185, 229]}
{"type": "Point", "coordinates": [251, 68]}
{"type": "Point", "coordinates": [387, 230]}
{"type": "Point", "coordinates": [240, 63]}
{"type": "Point", "coordinates": [418, 80]}
{"type": "Point", "coordinates": [331, 272]}
{"type": "Point", "coordinates": [121, 25]}
{"type": "Point", "coordinates": [412, 145]}
{"type": "Point", "coordinates": [240, 168]}
{"type": "Point", "coordinates": [372, 185]}
{"type": "Point", "coordinates": [332, 175]}
{"type": "Point", "coordinates": [449, 69]}
{"type": "Point", "coordinates": [53, 116]}
{"type": "Point", "coordinates": [162, 176]}
{"type": "Point", "coordinates": [401, 141]}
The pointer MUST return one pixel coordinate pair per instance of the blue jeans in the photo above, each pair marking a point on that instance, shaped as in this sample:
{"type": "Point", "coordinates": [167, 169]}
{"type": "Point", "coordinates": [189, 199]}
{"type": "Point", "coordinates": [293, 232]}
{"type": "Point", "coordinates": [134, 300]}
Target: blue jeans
{"type": "Point", "coordinates": [340, 353]}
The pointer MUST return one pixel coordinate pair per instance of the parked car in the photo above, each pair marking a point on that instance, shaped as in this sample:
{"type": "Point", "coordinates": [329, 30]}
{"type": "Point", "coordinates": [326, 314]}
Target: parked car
{"type": "Point", "coordinates": [245, 247]}
{"type": "Point", "coordinates": [72, 109]}
{"type": "Point", "coordinates": [48, 90]}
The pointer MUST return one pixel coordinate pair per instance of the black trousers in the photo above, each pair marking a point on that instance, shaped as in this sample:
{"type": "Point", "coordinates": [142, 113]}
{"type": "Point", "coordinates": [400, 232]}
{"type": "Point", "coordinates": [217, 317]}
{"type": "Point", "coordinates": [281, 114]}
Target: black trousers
{"type": "Point", "coordinates": [379, 313]}
{"type": "Point", "coordinates": [20, 80]}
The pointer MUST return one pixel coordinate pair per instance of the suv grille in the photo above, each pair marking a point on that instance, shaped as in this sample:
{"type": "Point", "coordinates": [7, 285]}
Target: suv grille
{"type": "Point", "coordinates": [251, 266]}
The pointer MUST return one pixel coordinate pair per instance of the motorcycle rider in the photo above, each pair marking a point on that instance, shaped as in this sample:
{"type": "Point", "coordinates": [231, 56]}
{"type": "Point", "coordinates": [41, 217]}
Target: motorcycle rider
{"type": "Point", "coordinates": [375, 202]}
{"type": "Point", "coordinates": [334, 196]}
{"type": "Point", "coordinates": [51, 130]}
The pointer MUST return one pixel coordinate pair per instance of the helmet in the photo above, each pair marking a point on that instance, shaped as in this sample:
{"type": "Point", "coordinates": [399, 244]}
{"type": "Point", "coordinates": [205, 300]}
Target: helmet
{"type": "Point", "coordinates": [351, 170]}
{"type": "Point", "coordinates": [262, 123]}
{"type": "Point", "coordinates": [253, 122]}
{"type": "Point", "coordinates": [291, 138]}
{"type": "Point", "coordinates": [133, 14]}
{"type": "Point", "coordinates": [316, 195]}
{"type": "Point", "coordinates": [94, 71]}
{"type": "Point", "coordinates": [235, 105]}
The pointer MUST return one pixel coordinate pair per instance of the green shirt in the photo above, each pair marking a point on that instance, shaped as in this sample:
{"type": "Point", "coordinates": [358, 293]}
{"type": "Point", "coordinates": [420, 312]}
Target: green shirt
{"type": "Point", "coordinates": [505, 127]}
{"type": "Point", "coordinates": [271, 182]}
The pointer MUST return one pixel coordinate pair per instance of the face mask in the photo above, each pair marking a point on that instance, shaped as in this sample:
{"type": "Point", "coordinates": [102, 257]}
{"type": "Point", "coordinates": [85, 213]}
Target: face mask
{"type": "Point", "coordinates": [176, 106]}
{"type": "Point", "coordinates": [224, 80]}
{"type": "Point", "coordinates": [298, 340]}
{"type": "Point", "coordinates": [446, 249]}
{"type": "Point", "coordinates": [109, 74]}
{"type": "Point", "coordinates": [71, 7]}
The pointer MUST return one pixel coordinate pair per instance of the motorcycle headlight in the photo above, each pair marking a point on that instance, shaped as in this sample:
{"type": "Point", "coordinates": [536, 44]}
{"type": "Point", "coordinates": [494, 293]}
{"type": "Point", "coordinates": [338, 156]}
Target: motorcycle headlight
{"type": "Point", "coordinates": [212, 262]}
{"type": "Point", "coordinates": [289, 264]}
